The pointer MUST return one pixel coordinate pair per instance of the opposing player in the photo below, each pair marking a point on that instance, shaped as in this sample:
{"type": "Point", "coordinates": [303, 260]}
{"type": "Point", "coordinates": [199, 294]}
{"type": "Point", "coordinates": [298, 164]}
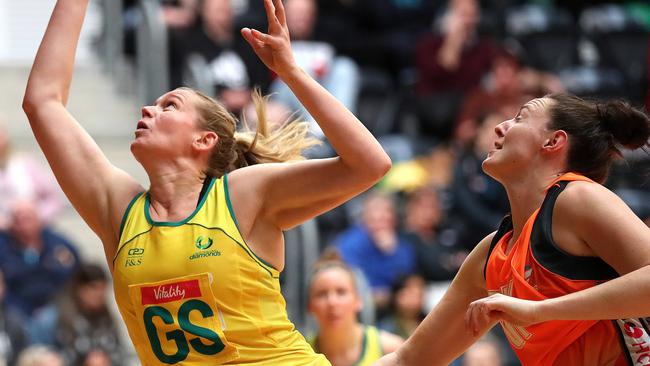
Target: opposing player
{"type": "Point", "coordinates": [572, 256]}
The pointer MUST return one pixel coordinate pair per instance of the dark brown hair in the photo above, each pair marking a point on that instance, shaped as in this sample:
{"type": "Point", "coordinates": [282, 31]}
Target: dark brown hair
{"type": "Point", "coordinates": [597, 130]}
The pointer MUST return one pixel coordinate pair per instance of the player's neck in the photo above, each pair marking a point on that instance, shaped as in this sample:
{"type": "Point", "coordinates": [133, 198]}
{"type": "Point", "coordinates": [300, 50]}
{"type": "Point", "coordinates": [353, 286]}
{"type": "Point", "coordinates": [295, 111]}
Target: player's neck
{"type": "Point", "coordinates": [338, 343]}
{"type": "Point", "coordinates": [526, 195]}
{"type": "Point", "coordinates": [173, 194]}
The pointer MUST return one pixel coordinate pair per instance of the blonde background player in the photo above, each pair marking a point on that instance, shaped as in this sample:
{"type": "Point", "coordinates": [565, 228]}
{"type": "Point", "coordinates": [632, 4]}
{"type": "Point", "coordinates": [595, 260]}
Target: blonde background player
{"type": "Point", "coordinates": [196, 257]}
{"type": "Point", "coordinates": [334, 301]}
{"type": "Point", "coordinates": [570, 255]}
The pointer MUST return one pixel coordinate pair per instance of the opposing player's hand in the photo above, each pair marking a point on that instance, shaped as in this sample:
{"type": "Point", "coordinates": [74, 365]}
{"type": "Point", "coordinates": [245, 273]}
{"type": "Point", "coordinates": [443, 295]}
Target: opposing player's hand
{"type": "Point", "coordinates": [499, 307]}
{"type": "Point", "coordinates": [274, 47]}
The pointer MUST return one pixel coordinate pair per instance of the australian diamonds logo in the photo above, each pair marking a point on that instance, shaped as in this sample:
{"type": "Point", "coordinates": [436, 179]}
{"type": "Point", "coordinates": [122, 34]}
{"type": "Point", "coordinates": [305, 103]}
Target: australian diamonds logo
{"type": "Point", "coordinates": [203, 244]}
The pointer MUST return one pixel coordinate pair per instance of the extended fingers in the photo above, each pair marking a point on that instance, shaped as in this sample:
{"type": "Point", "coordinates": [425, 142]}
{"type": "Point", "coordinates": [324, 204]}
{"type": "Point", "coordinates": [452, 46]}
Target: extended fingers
{"type": "Point", "coordinates": [271, 16]}
{"type": "Point", "coordinates": [253, 38]}
{"type": "Point", "coordinates": [279, 12]}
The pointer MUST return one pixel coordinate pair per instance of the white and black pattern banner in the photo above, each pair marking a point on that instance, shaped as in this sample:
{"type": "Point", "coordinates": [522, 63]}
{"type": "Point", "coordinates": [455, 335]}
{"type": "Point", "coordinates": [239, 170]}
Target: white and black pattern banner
{"type": "Point", "coordinates": [635, 334]}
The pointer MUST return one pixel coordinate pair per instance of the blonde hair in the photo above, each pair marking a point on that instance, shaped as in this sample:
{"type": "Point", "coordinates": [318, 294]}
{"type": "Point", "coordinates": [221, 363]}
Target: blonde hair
{"type": "Point", "coordinates": [237, 149]}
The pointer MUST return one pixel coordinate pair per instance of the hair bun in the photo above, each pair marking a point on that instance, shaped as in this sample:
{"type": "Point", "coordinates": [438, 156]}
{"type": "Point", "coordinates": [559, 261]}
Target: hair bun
{"type": "Point", "coordinates": [629, 126]}
{"type": "Point", "coordinates": [330, 254]}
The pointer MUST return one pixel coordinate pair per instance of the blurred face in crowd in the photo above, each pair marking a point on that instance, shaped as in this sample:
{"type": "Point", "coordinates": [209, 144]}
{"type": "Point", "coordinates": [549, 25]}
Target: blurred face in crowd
{"type": "Point", "coordinates": [168, 129]}
{"type": "Point", "coordinates": [333, 298]}
{"type": "Point", "coordinates": [482, 353]}
{"type": "Point", "coordinates": [504, 72]}
{"type": "Point", "coordinates": [518, 142]}
{"type": "Point", "coordinates": [410, 298]}
{"type": "Point", "coordinates": [423, 212]}
{"type": "Point", "coordinates": [301, 17]}
{"type": "Point", "coordinates": [97, 358]}
{"type": "Point", "coordinates": [26, 225]}
{"type": "Point", "coordinates": [464, 15]}
{"type": "Point", "coordinates": [217, 16]}
{"type": "Point", "coordinates": [379, 214]}
{"type": "Point", "coordinates": [92, 296]}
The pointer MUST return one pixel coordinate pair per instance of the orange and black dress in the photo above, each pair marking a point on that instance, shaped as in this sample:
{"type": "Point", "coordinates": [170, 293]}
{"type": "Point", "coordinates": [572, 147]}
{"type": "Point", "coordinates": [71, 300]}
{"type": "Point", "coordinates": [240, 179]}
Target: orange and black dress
{"type": "Point", "coordinates": [535, 268]}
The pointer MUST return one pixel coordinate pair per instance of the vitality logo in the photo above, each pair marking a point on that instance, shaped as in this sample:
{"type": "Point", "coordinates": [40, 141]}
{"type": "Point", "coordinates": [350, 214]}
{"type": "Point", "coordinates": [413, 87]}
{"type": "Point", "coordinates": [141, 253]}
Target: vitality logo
{"type": "Point", "coordinates": [203, 244]}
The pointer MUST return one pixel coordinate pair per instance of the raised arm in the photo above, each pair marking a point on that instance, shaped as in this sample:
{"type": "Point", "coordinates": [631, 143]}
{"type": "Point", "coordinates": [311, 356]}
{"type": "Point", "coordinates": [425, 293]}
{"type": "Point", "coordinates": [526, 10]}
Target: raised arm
{"type": "Point", "coordinates": [97, 190]}
{"type": "Point", "coordinates": [443, 335]}
{"type": "Point", "coordinates": [609, 230]}
{"type": "Point", "coordinates": [293, 193]}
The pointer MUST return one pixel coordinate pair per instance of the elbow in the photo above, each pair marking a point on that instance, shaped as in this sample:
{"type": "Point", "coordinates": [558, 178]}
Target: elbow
{"type": "Point", "coordinates": [33, 102]}
{"type": "Point", "coordinates": [381, 167]}
{"type": "Point", "coordinates": [29, 104]}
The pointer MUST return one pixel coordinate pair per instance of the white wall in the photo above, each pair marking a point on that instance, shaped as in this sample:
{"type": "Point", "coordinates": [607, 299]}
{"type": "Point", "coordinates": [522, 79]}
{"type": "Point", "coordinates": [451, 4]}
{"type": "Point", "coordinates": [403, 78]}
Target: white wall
{"type": "Point", "coordinates": [23, 22]}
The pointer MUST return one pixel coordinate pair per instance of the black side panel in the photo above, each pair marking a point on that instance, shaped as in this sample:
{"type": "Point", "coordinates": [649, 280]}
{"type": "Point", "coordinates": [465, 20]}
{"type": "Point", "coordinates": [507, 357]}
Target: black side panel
{"type": "Point", "coordinates": [549, 255]}
{"type": "Point", "coordinates": [504, 227]}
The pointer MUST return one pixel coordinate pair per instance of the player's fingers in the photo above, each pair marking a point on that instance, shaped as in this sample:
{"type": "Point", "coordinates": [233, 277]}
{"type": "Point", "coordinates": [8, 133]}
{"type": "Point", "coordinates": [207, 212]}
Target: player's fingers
{"type": "Point", "coordinates": [270, 14]}
{"type": "Point", "coordinates": [279, 12]}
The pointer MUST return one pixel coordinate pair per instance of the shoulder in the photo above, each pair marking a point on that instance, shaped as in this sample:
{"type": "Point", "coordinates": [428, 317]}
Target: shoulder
{"type": "Point", "coordinates": [583, 200]}
{"type": "Point", "coordinates": [389, 342]}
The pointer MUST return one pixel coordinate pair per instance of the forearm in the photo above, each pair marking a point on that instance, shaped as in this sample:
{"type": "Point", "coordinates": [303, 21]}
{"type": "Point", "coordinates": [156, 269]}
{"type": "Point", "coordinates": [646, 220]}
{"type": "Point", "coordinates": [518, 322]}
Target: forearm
{"type": "Point", "coordinates": [449, 54]}
{"type": "Point", "coordinates": [52, 70]}
{"type": "Point", "coordinates": [624, 297]}
{"type": "Point", "coordinates": [355, 145]}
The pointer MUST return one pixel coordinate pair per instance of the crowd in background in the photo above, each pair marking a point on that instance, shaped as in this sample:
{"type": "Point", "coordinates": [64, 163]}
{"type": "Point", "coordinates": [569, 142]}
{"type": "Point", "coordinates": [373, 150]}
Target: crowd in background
{"type": "Point", "coordinates": [431, 79]}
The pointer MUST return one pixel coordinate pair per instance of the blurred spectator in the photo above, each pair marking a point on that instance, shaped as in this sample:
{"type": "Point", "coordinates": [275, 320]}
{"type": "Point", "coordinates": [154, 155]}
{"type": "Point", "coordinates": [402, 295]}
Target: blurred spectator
{"type": "Point", "coordinates": [97, 357]}
{"type": "Point", "coordinates": [378, 33]}
{"type": "Point", "coordinates": [377, 248]}
{"type": "Point", "coordinates": [334, 301]}
{"type": "Point", "coordinates": [485, 352]}
{"type": "Point", "coordinates": [23, 178]}
{"type": "Point", "coordinates": [39, 356]}
{"type": "Point", "coordinates": [338, 74]}
{"type": "Point", "coordinates": [508, 86]}
{"type": "Point", "coordinates": [176, 14]}
{"type": "Point", "coordinates": [478, 200]}
{"type": "Point", "coordinates": [80, 321]}
{"type": "Point", "coordinates": [233, 66]}
{"type": "Point", "coordinates": [37, 263]}
{"type": "Point", "coordinates": [406, 306]}
{"type": "Point", "coordinates": [437, 255]}
{"type": "Point", "coordinates": [179, 13]}
{"type": "Point", "coordinates": [13, 336]}
{"type": "Point", "coordinates": [449, 65]}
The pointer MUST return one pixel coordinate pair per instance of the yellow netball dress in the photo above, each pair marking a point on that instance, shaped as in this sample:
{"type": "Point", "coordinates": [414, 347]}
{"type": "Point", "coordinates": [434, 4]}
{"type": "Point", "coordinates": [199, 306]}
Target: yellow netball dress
{"type": "Point", "coordinates": [371, 349]}
{"type": "Point", "coordinates": [193, 293]}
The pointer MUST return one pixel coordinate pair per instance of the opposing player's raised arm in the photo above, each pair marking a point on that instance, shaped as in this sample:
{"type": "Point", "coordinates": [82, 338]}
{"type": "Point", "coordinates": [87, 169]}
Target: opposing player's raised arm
{"type": "Point", "coordinates": [97, 190]}
{"type": "Point", "coordinates": [299, 191]}
{"type": "Point", "coordinates": [443, 335]}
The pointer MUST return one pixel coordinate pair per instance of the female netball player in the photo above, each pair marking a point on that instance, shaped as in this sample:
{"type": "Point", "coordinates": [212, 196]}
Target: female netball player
{"type": "Point", "coordinates": [572, 256]}
{"type": "Point", "coordinates": [196, 257]}
{"type": "Point", "coordinates": [334, 301]}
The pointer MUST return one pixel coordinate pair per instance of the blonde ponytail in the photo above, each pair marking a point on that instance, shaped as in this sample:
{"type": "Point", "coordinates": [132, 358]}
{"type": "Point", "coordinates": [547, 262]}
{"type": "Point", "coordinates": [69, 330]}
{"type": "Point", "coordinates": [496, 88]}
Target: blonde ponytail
{"type": "Point", "coordinates": [271, 145]}
{"type": "Point", "coordinates": [235, 150]}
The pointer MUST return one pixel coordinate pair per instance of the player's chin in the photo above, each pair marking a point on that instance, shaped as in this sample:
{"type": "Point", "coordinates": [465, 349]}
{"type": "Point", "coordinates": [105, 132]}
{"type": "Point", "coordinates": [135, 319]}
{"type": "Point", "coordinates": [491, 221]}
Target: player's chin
{"type": "Point", "coordinates": [490, 165]}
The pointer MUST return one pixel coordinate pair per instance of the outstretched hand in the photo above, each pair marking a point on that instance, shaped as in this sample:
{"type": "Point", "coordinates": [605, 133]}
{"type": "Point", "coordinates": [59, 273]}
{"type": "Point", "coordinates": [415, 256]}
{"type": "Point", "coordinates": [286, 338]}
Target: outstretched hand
{"type": "Point", "coordinates": [274, 47]}
{"type": "Point", "coordinates": [500, 307]}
